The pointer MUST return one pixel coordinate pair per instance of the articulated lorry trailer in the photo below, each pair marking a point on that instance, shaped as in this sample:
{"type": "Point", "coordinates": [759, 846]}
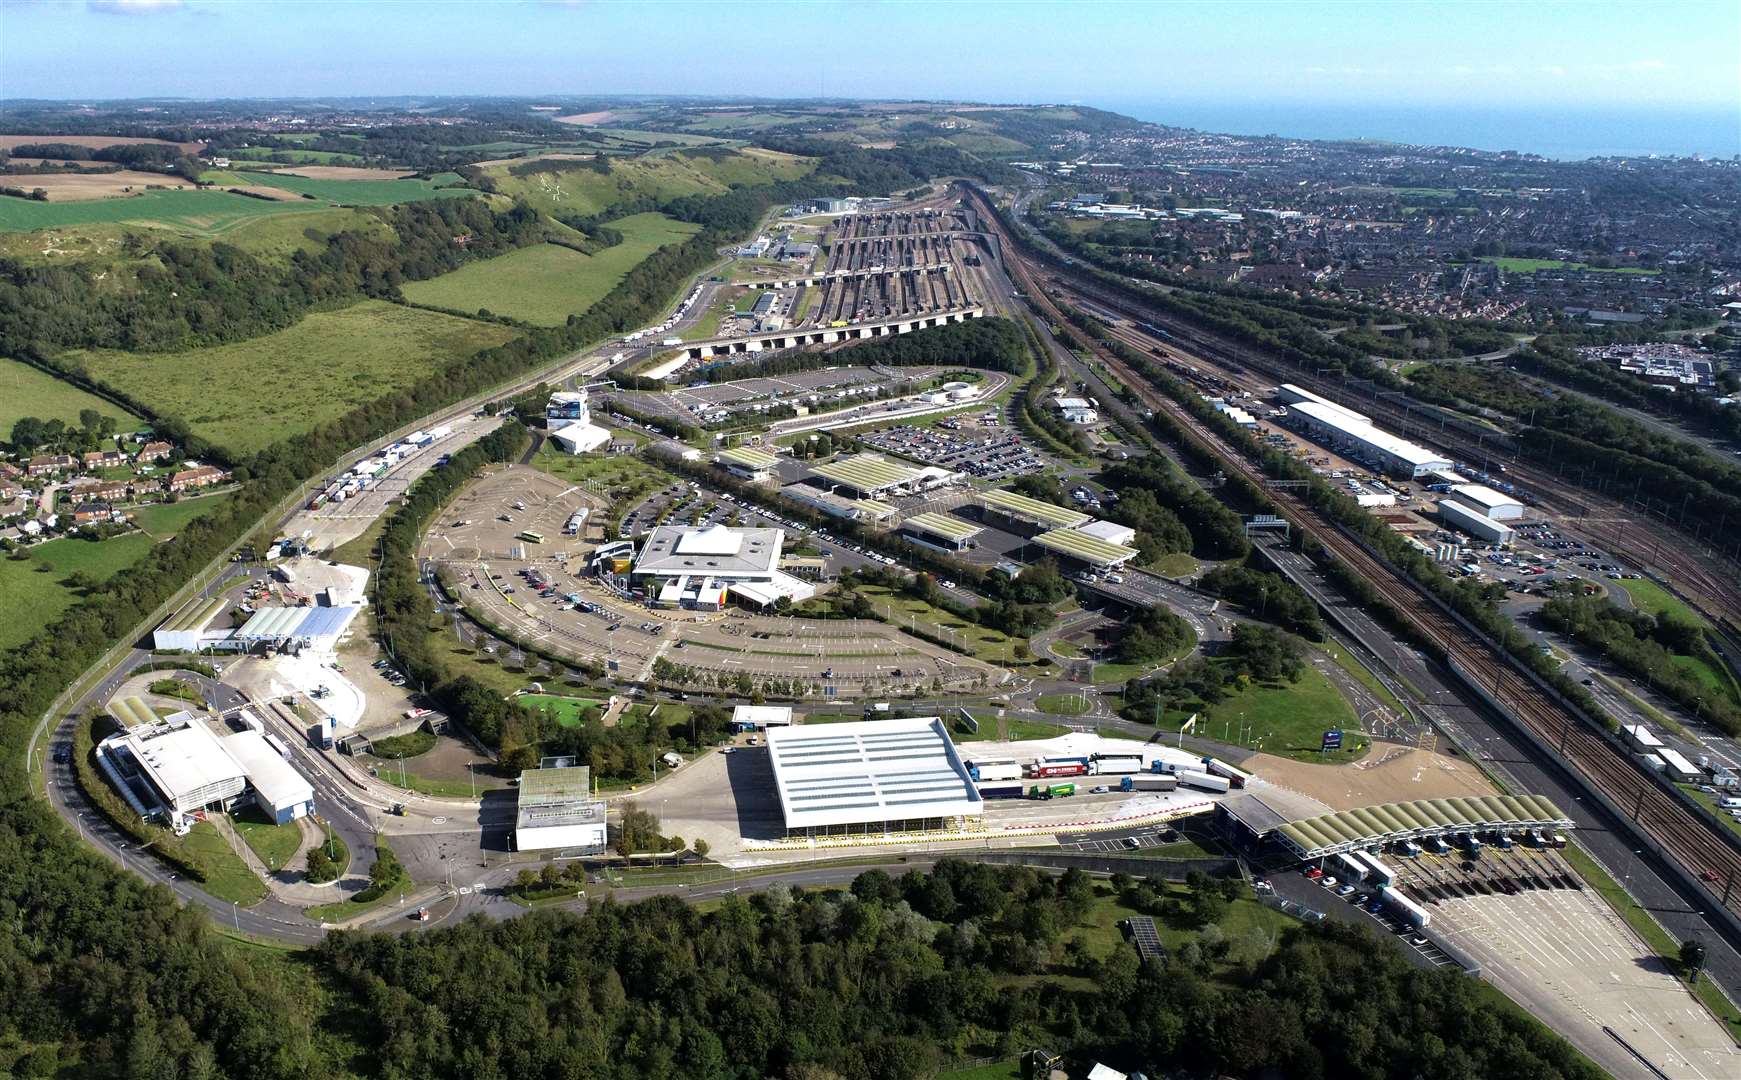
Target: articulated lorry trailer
{"type": "Point", "coordinates": [1203, 781]}
{"type": "Point", "coordinates": [1148, 783]}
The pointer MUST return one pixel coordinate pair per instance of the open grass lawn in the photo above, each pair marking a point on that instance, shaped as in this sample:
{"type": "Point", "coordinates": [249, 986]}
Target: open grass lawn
{"type": "Point", "coordinates": [27, 391]}
{"type": "Point", "coordinates": [1288, 718]}
{"type": "Point", "coordinates": [1529, 266]}
{"type": "Point", "coordinates": [227, 876]}
{"type": "Point", "coordinates": [249, 394]}
{"type": "Point", "coordinates": [1176, 565]}
{"type": "Point", "coordinates": [1062, 704]}
{"type": "Point", "coordinates": [567, 709]}
{"type": "Point", "coordinates": [274, 844]}
{"type": "Point", "coordinates": [1652, 599]}
{"type": "Point", "coordinates": [901, 610]}
{"type": "Point", "coordinates": [164, 520]}
{"type": "Point", "coordinates": [31, 591]}
{"type": "Point", "coordinates": [546, 283]}
{"type": "Point", "coordinates": [1250, 926]}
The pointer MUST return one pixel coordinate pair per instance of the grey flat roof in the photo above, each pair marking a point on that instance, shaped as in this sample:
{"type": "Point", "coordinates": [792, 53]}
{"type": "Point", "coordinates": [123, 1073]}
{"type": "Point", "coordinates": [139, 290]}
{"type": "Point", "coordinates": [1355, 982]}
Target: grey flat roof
{"type": "Point", "coordinates": [678, 550]}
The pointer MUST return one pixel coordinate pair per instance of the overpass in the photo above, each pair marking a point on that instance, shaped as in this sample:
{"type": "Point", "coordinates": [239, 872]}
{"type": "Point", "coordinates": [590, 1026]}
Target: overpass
{"type": "Point", "coordinates": [772, 341]}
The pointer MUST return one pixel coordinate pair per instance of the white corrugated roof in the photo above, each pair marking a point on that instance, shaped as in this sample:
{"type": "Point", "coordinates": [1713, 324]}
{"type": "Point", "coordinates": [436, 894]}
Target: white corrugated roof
{"type": "Point", "coordinates": [270, 775]}
{"type": "Point", "coordinates": [869, 771]}
{"type": "Point", "coordinates": [1341, 420]}
{"type": "Point", "coordinates": [185, 758]}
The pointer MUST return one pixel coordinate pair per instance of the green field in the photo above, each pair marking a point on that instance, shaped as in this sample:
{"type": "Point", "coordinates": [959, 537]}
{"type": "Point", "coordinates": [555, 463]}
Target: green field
{"type": "Point", "coordinates": [1652, 599]}
{"type": "Point", "coordinates": [1287, 719]}
{"type": "Point", "coordinates": [1062, 704]}
{"type": "Point", "coordinates": [227, 877]}
{"type": "Point", "coordinates": [567, 709]}
{"type": "Point", "coordinates": [577, 188]}
{"type": "Point", "coordinates": [27, 391]}
{"type": "Point", "coordinates": [546, 283]}
{"type": "Point", "coordinates": [192, 213]}
{"type": "Point", "coordinates": [31, 591]}
{"type": "Point", "coordinates": [1530, 266]}
{"type": "Point", "coordinates": [164, 520]}
{"type": "Point", "coordinates": [317, 370]}
{"type": "Point", "coordinates": [354, 192]}
{"type": "Point", "coordinates": [273, 844]}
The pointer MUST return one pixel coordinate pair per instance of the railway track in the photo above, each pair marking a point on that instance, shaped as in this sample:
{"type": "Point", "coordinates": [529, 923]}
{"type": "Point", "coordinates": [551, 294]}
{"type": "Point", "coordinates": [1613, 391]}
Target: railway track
{"type": "Point", "coordinates": [1705, 578]}
{"type": "Point", "coordinates": [1685, 836]}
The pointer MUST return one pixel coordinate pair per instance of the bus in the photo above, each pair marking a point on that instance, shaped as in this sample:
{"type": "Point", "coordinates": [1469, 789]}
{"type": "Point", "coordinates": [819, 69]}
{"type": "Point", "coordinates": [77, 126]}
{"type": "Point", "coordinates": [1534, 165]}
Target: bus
{"type": "Point", "coordinates": [532, 537]}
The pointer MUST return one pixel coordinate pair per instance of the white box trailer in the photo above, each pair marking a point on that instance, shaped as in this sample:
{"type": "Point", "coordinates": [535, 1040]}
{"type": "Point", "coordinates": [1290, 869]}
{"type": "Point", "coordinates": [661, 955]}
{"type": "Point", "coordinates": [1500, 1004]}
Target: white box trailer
{"type": "Point", "coordinates": [1348, 867]}
{"type": "Point", "coordinates": [1417, 916]}
{"type": "Point", "coordinates": [1232, 773]}
{"type": "Point", "coordinates": [1375, 870]}
{"type": "Point", "coordinates": [1117, 766]}
{"type": "Point", "coordinates": [1202, 781]}
{"type": "Point", "coordinates": [997, 770]}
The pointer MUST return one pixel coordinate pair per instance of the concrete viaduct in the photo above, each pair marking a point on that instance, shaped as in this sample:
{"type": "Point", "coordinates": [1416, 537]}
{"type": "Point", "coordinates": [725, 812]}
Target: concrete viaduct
{"type": "Point", "coordinates": [792, 339]}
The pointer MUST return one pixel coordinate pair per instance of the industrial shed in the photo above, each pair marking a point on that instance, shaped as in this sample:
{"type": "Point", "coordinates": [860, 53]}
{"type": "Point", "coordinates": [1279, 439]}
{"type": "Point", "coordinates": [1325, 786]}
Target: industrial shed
{"type": "Point", "coordinates": [1031, 514]}
{"type": "Point", "coordinates": [1495, 504]}
{"type": "Point", "coordinates": [173, 766]}
{"type": "Point", "coordinates": [1076, 544]}
{"type": "Point", "coordinates": [185, 631]}
{"type": "Point", "coordinates": [1374, 826]}
{"type": "Point", "coordinates": [1475, 523]}
{"type": "Point", "coordinates": [1347, 432]}
{"type": "Point", "coordinates": [868, 474]}
{"type": "Point", "coordinates": [941, 530]}
{"type": "Point", "coordinates": [281, 792]}
{"type": "Point", "coordinates": [747, 462]}
{"type": "Point", "coordinates": [871, 777]}
{"type": "Point", "coordinates": [557, 811]}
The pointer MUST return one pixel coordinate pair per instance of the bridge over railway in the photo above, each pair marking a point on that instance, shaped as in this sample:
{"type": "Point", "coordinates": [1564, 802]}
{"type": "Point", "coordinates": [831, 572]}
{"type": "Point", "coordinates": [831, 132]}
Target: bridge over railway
{"type": "Point", "coordinates": [791, 339]}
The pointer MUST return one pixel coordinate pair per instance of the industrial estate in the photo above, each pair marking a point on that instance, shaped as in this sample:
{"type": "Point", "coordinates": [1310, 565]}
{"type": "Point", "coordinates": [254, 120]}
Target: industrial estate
{"type": "Point", "coordinates": [898, 513]}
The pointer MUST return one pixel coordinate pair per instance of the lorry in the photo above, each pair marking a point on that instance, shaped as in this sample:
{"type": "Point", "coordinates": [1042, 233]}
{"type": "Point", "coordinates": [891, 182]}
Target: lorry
{"type": "Point", "coordinates": [1411, 912]}
{"type": "Point", "coordinates": [1148, 783]}
{"type": "Point", "coordinates": [1057, 768]}
{"type": "Point", "coordinates": [1233, 774]}
{"type": "Point", "coordinates": [994, 770]}
{"type": "Point", "coordinates": [1051, 791]}
{"type": "Point", "coordinates": [1117, 764]}
{"type": "Point", "coordinates": [320, 735]}
{"type": "Point", "coordinates": [1001, 791]}
{"type": "Point", "coordinates": [1203, 781]}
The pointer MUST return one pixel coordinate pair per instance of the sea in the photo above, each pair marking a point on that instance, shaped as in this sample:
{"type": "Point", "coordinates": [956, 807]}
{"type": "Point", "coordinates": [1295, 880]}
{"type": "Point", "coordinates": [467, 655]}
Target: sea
{"type": "Point", "coordinates": [1567, 135]}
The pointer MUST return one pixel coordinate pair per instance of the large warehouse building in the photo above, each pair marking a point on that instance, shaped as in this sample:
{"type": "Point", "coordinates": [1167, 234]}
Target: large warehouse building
{"type": "Point", "coordinates": [872, 777]}
{"type": "Point", "coordinates": [1347, 432]}
{"type": "Point", "coordinates": [1495, 504]}
{"type": "Point", "coordinates": [699, 567]}
{"type": "Point", "coordinates": [558, 812]}
{"type": "Point", "coordinates": [179, 765]}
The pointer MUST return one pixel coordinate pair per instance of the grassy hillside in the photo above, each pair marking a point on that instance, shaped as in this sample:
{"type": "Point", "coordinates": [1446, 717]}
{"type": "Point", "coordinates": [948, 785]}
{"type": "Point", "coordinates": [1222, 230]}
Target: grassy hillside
{"type": "Point", "coordinates": [559, 185]}
{"type": "Point", "coordinates": [353, 192]}
{"type": "Point", "coordinates": [547, 283]}
{"type": "Point", "coordinates": [249, 394]}
{"type": "Point", "coordinates": [25, 391]}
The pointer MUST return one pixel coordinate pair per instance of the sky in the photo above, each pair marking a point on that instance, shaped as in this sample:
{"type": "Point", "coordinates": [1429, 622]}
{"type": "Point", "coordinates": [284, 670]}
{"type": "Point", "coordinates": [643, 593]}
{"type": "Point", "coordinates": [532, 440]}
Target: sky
{"type": "Point", "coordinates": [1672, 54]}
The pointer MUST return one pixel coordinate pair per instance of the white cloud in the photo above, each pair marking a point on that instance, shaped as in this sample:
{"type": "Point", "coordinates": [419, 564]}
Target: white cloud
{"type": "Point", "coordinates": [132, 7]}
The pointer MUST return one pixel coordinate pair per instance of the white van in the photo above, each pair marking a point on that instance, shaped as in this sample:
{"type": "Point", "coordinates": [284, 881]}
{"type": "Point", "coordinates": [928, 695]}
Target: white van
{"type": "Point", "coordinates": [1730, 802]}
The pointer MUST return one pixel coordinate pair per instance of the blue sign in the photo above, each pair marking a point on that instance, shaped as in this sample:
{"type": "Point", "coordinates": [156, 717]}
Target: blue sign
{"type": "Point", "coordinates": [1332, 741]}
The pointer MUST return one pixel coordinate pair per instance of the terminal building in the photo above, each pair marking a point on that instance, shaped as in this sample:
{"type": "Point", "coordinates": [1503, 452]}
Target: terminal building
{"type": "Point", "coordinates": [1086, 548]}
{"type": "Point", "coordinates": [872, 778]}
{"type": "Point", "coordinates": [556, 811]}
{"type": "Point", "coordinates": [873, 476]}
{"type": "Point", "coordinates": [1024, 516]}
{"type": "Point", "coordinates": [175, 767]}
{"type": "Point", "coordinates": [701, 566]}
